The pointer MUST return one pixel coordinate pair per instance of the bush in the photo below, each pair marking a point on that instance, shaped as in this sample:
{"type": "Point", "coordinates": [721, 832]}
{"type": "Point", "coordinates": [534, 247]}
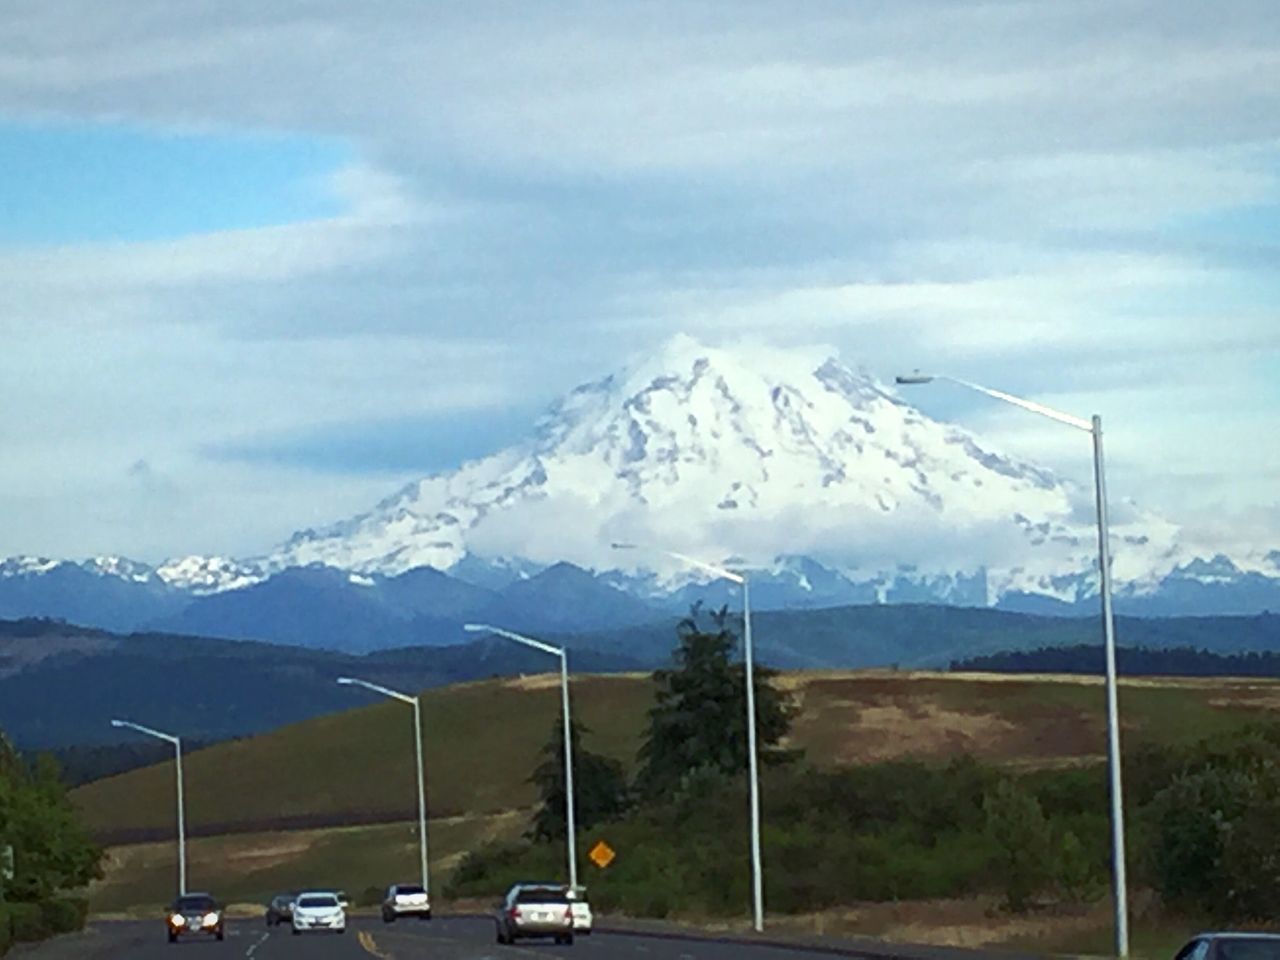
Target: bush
{"type": "Point", "coordinates": [6, 931]}
{"type": "Point", "coordinates": [64, 915]}
{"type": "Point", "coordinates": [27, 922]}
{"type": "Point", "coordinates": [369, 897]}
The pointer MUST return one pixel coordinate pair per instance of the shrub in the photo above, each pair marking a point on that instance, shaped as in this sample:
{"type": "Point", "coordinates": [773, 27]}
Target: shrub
{"type": "Point", "coordinates": [27, 922]}
{"type": "Point", "coordinates": [64, 915]}
{"type": "Point", "coordinates": [370, 896]}
{"type": "Point", "coordinates": [6, 930]}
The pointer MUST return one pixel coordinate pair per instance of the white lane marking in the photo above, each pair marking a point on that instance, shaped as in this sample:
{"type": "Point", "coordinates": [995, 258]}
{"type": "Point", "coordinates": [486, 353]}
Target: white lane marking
{"type": "Point", "coordinates": [254, 946]}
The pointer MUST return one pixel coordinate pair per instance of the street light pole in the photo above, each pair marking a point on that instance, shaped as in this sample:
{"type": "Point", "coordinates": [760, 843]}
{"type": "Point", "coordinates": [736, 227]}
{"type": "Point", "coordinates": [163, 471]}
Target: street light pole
{"type": "Point", "coordinates": [417, 739]}
{"type": "Point", "coordinates": [753, 759]}
{"type": "Point", "coordinates": [182, 825]}
{"type": "Point", "coordinates": [1094, 428]}
{"type": "Point", "coordinates": [569, 803]}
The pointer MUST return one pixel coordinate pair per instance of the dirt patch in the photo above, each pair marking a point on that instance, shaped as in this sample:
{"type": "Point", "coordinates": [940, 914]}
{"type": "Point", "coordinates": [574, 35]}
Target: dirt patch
{"type": "Point", "coordinates": [894, 729]}
{"type": "Point", "coordinates": [536, 681]}
{"type": "Point", "coordinates": [262, 857]}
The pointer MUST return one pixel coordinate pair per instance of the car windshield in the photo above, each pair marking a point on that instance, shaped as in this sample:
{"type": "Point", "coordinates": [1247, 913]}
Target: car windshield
{"type": "Point", "coordinates": [541, 896]}
{"type": "Point", "coordinates": [408, 889]}
{"type": "Point", "coordinates": [318, 900]}
{"type": "Point", "coordinates": [195, 904]}
{"type": "Point", "coordinates": [1248, 948]}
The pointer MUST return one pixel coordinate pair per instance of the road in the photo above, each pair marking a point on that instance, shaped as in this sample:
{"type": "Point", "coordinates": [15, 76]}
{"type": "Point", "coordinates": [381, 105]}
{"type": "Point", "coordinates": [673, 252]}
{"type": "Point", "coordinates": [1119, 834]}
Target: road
{"type": "Point", "coordinates": [440, 939]}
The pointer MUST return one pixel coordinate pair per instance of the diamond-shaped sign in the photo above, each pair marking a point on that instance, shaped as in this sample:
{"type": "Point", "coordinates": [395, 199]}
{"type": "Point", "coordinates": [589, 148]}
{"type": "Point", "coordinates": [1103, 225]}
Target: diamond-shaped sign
{"type": "Point", "coordinates": [602, 855]}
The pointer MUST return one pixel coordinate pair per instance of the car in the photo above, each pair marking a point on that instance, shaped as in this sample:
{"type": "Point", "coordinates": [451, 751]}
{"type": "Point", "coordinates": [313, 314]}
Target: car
{"type": "Point", "coordinates": [535, 910]}
{"type": "Point", "coordinates": [405, 900]}
{"type": "Point", "coordinates": [194, 914]}
{"type": "Point", "coordinates": [581, 910]}
{"type": "Point", "coordinates": [1231, 946]}
{"type": "Point", "coordinates": [280, 909]}
{"type": "Point", "coordinates": [318, 910]}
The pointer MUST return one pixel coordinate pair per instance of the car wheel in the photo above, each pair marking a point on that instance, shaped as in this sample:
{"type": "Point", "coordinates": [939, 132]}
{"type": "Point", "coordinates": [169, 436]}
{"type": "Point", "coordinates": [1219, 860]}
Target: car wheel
{"type": "Point", "coordinates": [221, 934]}
{"type": "Point", "coordinates": [173, 937]}
{"type": "Point", "coordinates": [296, 931]}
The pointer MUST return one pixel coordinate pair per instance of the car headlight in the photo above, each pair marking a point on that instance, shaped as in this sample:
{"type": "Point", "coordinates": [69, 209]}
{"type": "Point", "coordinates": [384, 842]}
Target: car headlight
{"type": "Point", "coordinates": [178, 920]}
{"type": "Point", "coordinates": [210, 919]}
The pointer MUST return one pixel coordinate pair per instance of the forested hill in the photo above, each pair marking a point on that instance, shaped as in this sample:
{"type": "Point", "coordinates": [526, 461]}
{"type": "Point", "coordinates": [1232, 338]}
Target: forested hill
{"type": "Point", "coordinates": [1088, 658]}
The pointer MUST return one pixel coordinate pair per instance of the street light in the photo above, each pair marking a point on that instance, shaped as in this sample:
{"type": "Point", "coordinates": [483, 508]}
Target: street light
{"type": "Point", "coordinates": [182, 826]}
{"type": "Point", "coordinates": [417, 739]}
{"type": "Point", "coordinates": [570, 820]}
{"type": "Point", "coordinates": [757, 870]}
{"type": "Point", "coordinates": [1094, 428]}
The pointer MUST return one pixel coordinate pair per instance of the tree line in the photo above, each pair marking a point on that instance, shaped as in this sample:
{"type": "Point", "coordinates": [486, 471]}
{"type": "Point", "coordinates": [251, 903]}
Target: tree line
{"type": "Point", "coordinates": [1134, 661]}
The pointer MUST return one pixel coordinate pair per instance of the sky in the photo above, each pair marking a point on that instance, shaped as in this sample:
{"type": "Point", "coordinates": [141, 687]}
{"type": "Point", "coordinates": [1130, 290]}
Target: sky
{"type": "Point", "coordinates": [262, 263]}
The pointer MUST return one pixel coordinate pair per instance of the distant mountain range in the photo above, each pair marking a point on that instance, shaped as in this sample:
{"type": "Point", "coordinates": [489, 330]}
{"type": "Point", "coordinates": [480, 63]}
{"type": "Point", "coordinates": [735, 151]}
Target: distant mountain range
{"type": "Point", "coordinates": [61, 685]}
{"type": "Point", "coordinates": [820, 479]}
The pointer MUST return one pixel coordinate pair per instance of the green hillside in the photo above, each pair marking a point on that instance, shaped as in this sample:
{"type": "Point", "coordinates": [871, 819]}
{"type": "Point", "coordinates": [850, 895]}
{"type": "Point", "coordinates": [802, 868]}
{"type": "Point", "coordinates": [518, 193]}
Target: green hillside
{"type": "Point", "coordinates": [482, 738]}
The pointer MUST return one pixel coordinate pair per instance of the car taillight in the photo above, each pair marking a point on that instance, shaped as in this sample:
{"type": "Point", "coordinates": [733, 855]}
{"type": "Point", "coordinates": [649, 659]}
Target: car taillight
{"type": "Point", "coordinates": [514, 913]}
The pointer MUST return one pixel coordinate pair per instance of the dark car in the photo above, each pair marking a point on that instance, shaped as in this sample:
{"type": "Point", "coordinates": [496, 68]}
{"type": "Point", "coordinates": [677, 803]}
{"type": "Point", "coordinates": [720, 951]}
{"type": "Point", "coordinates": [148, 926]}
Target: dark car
{"type": "Point", "coordinates": [280, 909]}
{"type": "Point", "coordinates": [535, 910]}
{"type": "Point", "coordinates": [194, 914]}
{"type": "Point", "coordinates": [1231, 946]}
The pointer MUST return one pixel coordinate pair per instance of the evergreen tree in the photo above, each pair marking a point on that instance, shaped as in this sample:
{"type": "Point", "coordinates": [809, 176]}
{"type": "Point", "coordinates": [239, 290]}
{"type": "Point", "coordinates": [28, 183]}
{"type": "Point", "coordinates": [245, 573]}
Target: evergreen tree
{"type": "Point", "coordinates": [699, 719]}
{"type": "Point", "coordinates": [599, 786]}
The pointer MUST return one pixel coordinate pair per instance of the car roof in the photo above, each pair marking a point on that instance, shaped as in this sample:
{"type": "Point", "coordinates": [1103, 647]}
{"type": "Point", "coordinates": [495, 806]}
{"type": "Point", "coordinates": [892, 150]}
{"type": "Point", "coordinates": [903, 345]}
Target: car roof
{"type": "Point", "coordinates": [1237, 935]}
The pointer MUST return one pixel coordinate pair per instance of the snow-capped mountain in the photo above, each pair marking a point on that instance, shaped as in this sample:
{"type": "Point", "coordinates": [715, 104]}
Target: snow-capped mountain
{"type": "Point", "coordinates": [755, 454]}
{"type": "Point", "coordinates": [819, 478]}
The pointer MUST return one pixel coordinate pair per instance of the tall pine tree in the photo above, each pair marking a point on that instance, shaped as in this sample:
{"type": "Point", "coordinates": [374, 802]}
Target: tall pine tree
{"type": "Point", "coordinates": [699, 719]}
{"type": "Point", "coordinates": [599, 786]}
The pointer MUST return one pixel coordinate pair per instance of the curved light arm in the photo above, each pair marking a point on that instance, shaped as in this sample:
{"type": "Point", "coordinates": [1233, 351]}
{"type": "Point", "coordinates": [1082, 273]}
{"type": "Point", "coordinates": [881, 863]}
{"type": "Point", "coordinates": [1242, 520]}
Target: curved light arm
{"type": "Point", "coordinates": [517, 637]}
{"type": "Point", "coordinates": [918, 378]}
{"type": "Point", "coordinates": [147, 730]}
{"type": "Point", "coordinates": [711, 568]}
{"type": "Point", "coordinates": [385, 691]}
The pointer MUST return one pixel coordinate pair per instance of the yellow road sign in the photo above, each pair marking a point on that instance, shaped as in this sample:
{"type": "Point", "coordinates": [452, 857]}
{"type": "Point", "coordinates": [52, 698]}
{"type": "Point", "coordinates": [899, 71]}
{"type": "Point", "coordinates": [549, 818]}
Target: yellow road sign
{"type": "Point", "coordinates": [602, 855]}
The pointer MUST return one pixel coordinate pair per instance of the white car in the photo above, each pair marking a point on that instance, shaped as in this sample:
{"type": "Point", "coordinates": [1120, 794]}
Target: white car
{"type": "Point", "coordinates": [405, 900]}
{"type": "Point", "coordinates": [580, 909]}
{"type": "Point", "coordinates": [318, 910]}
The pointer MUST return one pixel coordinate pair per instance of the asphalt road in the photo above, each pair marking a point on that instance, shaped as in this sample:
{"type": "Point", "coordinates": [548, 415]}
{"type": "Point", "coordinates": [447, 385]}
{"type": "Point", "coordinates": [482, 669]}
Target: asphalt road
{"type": "Point", "coordinates": [440, 939]}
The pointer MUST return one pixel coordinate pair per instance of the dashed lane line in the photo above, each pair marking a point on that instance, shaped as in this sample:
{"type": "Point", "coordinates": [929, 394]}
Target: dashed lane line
{"type": "Point", "coordinates": [370, 945]}
{"type": "Point", "coordinates": [253, 947]}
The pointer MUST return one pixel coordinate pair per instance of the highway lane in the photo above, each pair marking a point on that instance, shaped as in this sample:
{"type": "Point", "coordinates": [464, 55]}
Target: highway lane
{"type": "Point", "coordinates": [440, 939]}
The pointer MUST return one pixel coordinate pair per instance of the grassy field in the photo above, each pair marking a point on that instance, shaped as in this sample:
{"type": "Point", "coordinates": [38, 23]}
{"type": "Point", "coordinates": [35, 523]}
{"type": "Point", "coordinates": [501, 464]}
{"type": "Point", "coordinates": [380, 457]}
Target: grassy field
{"type": "Point", "coordinates": [248, 868]}
{"type": "Point", "coordinates": [350, 775]}
{"type": "Point", "coordinates": [482, 740]}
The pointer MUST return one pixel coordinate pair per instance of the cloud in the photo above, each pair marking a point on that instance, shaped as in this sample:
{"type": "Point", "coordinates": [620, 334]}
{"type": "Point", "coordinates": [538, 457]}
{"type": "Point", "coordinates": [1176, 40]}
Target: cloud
{"type": "Point", "coordinates": [1066, 200]}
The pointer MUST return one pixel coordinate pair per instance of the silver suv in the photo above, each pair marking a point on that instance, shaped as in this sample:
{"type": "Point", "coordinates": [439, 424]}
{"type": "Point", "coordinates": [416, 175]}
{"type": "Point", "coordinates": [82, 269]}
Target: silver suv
{"type": "Point", "coordinates": [405, 900]}
{"type": "Point", "coordinates": [535, 910]}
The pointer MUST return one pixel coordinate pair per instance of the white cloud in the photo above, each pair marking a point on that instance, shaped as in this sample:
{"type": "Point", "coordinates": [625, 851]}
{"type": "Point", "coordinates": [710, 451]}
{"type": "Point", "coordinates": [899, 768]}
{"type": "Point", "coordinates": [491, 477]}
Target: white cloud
{"type": "Point", "coordinates": [1049, 196]}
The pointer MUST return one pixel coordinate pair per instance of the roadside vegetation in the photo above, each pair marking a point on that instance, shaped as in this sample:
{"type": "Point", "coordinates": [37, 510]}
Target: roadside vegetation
{"type": "Point", "coordinates": [44, 845]}
{"type": "Point", "coordinates": [1202, 816]}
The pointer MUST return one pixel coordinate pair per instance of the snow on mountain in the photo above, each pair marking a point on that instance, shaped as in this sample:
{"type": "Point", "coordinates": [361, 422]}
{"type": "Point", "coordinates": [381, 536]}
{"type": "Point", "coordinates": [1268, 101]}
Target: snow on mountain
{"type": "Point", "coordinates": [21, 566]}
{"type": "Point", "coordinates": [756, 453]}
{"type": "Point", "coordinates": [206, 575]}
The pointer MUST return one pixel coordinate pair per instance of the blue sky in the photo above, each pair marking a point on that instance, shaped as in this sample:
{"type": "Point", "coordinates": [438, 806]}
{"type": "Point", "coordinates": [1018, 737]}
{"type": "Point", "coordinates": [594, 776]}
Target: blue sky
{"type": "Point", "coordinates": [263, 263]}
{"type": "Point", "coordinates": [71, 182]}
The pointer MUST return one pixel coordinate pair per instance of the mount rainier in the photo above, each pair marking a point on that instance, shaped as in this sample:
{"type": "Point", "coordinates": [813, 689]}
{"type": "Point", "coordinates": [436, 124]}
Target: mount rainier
{"type": "Point", "coordinates": [818, 477]}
